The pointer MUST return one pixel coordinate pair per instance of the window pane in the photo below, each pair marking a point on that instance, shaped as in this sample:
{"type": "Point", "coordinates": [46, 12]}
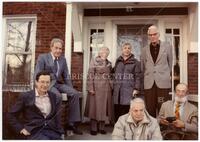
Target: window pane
{"type": "Point", "coordinates": [19, 34]}
{"type": "Point", "coordinates": [176, 31]}
{"type": "Point", "coordinates": [18, 69]}
{"type": "Point", "coordinates": [168, 31]}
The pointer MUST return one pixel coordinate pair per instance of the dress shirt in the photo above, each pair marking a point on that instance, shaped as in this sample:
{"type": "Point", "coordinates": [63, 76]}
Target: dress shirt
{"type": "Point", "coordinates": [43, 103]}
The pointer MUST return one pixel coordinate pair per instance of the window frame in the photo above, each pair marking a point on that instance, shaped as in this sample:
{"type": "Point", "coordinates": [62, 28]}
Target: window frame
{"type": "Point", "coordinates": [18, 87]}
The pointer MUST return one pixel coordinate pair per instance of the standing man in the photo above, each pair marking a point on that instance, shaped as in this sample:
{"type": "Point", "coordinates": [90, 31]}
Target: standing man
{"type": "Point", "coordinates": [127, 73]}
{"type": "Point", "coordinates": [137, 124]}
{"type": "Point", "coordinates": [56, 64]}
{"type": "Point", "coordinates": [40, 109]}
{"type": "Point", "coordinates": [156, 65]}
{"type": "Point", "coordinates": [185, 123]}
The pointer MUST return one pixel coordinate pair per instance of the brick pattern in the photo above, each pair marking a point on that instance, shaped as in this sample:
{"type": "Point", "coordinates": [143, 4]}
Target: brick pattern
{"type": "Point", "coordinates": [51, 19]}
{"type": "Point", "coordinates": [193, 73]}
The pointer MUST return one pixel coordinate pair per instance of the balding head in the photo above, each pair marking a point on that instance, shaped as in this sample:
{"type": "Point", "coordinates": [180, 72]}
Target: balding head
{"type": "Point", "coordinates": [153, 34]}
{"type": "Point", "coordinates": [181, 92]}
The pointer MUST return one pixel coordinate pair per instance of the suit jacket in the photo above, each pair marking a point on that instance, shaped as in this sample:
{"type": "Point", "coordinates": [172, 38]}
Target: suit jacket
{"type": "Point", "coordinates": [189, 114]}
{"type": "Point", "coordinates": [45, 62]}
{"type": "Point", "coordinates": [158, 71]}
{"type": "Point", "coordinates": [33, 117]}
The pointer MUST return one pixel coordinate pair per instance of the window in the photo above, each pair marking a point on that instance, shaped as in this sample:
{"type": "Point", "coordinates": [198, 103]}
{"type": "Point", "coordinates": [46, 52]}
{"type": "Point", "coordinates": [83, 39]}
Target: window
{"type": "Point", "coordinates": [19, 53]}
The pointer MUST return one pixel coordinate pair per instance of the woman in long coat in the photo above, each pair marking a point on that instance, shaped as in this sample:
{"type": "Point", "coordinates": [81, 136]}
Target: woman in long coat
{"type": "Point", "coordinates": [127, 77]}
{"type": "Point", "coordinates": [99, 86]}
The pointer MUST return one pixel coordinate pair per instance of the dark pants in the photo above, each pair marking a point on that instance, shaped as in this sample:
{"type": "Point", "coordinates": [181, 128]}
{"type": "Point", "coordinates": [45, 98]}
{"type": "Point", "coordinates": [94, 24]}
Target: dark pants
{"type": "Point", "coordinates": [45, 134]}
{"type": "Point", "coordinates": [97, 125]}
{"type": "Point", "coordinates": [120, 110]}
{"type": "Point", "coordinates": [154, 98]}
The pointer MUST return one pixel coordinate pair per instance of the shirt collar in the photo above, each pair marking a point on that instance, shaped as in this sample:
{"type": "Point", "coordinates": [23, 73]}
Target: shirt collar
{"type": "Point", "coordinates": [145, 120]}
{"type": "Point", "coordinates": [37, 94]}
{"type": "Point", "coordinates": [53, 57]}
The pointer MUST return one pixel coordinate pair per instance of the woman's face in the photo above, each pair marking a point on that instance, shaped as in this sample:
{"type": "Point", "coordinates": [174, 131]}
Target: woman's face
{"type": "Point", "coordinates": [104, 54]}
{"type": "Point", "coordinates": [126, 50]}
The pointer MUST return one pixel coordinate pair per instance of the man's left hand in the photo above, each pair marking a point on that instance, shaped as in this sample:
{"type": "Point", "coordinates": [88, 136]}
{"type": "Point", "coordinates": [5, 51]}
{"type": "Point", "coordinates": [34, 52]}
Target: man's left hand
{"type": "Point", "coordinates": [178, 123]}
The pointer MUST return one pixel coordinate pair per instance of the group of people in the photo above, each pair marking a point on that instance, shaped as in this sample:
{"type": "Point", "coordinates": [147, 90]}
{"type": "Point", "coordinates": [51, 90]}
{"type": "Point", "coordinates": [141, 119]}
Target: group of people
{"type": "Point", "coordinates": [112, 96]}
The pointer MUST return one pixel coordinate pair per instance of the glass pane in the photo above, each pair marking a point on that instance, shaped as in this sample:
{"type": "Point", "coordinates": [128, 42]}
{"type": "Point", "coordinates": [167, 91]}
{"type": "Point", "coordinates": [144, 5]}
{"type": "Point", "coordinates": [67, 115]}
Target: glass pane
{"type": "Point", "coordinates": [136, 35]}
{"type": "Point", "coordinates": [97, 41]}
{"type": "Point", "coordinates": [176, 31]}
{"type": "Point", "coordinates": [19, 35]}
{"type": "Point", "coordinates": [18, 69]}
{"type": "Point", "coordinates": [168, 31]}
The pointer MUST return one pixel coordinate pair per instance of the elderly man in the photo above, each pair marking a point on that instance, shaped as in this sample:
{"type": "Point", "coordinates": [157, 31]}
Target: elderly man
{"type": "Point", "coordinates": [156, 65]}
{"type": "Point", "coordinates": [137, 124]}
{"type": "Point", "coordinates": [184, 125]}
{"type": "Point", "coordinates": [56, 64]}
{"type": "Point", "coordinates": [40, 109]}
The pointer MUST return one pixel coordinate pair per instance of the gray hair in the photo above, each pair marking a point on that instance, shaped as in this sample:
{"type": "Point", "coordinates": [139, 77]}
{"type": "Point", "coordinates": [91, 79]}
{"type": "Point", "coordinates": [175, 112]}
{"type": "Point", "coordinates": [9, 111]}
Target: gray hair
{"type": "Point", "coordinates": [126, 44]}
{"type": "Point", "coordinates": [152, 27]}
{"type": "Point", "coordinates": [136, 100]}
{"type": "Point", "coordinates": [104, 49]}
{"type": "Point", "coordinates": [55, 40]}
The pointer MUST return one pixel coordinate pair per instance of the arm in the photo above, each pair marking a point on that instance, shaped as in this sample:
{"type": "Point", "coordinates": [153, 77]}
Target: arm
{"type": "Point", "coordinates": [156, 135]}
{"type": "Point", "coordinates": [191, 125]}
{"type": "Point", "coordinates": [119, 131]}
{"type": "Point", "coordinates": [170, 57]}
{"type": "Point", "coordinates": [137, 74]}
{"type": "Point", "coordinates": [14, 113]}
{"type": "Point", "coordinates": [161, 117]}
{"type": "Point", "coordinates": [90, 77]}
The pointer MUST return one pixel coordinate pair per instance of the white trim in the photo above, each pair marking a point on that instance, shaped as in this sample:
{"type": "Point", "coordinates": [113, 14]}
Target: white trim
{"type": "Point", "coordinates": [68, 35]}
{"type": "Point", "coordinates": [33, 18]}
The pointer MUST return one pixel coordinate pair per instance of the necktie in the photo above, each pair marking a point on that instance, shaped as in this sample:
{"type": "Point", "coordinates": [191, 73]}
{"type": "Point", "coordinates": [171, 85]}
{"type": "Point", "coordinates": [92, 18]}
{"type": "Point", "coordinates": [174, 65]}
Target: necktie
{"type": "Point", "coordinates": [56, 66]}
{"type": "Point", "coordinates": [177, 110]}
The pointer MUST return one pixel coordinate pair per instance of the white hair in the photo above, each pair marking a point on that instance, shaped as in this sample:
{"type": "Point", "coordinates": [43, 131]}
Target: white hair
{"type": "Point", "coordinates": [136, 100]}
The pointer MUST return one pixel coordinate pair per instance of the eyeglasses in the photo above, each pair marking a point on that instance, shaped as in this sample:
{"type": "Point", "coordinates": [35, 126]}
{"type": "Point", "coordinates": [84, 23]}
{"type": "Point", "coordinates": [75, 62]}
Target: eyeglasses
{"type": "Point", "coordinates": [154, 34]}
{"type": "Point", "coordinates": [44, 82]}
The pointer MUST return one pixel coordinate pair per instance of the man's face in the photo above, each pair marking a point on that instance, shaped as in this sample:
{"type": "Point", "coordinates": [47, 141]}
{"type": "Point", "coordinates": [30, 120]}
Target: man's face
{"type": "Point", "coordinates": [42, 84]}
{"type": "Point", "coordinates": [126, 50]}
{"type": "Point", "coordinates": [153, 35]}
{"type": "Point", "coordinates": [56, 49]}
{"type": "Point", "coordinates": [181, 92]}
{"type": "Point", "coordinates": [137, 111]}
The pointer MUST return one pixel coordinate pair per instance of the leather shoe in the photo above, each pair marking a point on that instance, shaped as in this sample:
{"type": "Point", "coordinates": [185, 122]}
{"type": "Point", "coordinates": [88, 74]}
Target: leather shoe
{"type": "Point", "coordinates": [103, 132]}
{"type": "Point", "coordinates": [93, 132]}
{"type": "Point", "coordinates": [75, 130]}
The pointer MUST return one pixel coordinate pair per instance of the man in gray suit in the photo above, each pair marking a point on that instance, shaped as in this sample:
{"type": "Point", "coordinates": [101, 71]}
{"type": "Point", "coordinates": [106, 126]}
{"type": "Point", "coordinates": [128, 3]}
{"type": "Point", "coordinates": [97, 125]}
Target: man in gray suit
{"type": "Point", "coordinates": [156, 65]}
{"type": "Point", "coordinates": [56, 64]}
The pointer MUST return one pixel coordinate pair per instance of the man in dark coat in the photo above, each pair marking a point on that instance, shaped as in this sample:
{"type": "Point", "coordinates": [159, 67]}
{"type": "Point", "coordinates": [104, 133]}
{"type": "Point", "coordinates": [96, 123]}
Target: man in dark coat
{"type": "Point", "coordinates": [40, 109]}
{"type": "Point", "coordinates": [126, 80]}
{"type": "Point", "coordinates": [56, 64]}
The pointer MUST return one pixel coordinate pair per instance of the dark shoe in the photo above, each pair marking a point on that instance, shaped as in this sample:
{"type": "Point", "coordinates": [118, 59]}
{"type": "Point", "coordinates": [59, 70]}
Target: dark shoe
{"type": "Point", "coordinates": [75, 130]}
{"type": "Point", "coordinates": [93, 132]}
{"type": "Point", "coordinates": [103, 132]}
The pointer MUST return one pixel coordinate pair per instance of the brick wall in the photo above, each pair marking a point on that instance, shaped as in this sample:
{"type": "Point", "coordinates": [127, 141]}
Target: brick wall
{"type": "Point", "coordinates": [51, 18]}
{"type": "Point", "coordinates": [193, 73]}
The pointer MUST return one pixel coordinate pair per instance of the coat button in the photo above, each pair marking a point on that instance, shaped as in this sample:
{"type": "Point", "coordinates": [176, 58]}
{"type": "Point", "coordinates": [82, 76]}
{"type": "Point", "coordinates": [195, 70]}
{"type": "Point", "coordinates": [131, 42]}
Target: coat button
{"type": "Point", "coordinates": [154, 72]}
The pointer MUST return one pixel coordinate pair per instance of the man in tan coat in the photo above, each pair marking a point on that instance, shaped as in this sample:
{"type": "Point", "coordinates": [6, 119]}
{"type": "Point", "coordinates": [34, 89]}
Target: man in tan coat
{"type": "Point", "coordinates": [137, 124]}
{"type": "Point", "coordinates": [185, 114]}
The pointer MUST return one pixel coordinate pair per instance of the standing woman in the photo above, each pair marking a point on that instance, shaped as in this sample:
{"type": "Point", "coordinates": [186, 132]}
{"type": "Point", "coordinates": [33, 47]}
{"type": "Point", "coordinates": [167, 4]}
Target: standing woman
{"type": "Point", "coordinates": [99, 86]}
{"type": "Point", "coordinates": [127, 76]}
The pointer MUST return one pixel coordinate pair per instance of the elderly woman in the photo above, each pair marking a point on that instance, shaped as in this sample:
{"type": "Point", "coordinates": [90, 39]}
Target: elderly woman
{"type": "Point", "coordinates": [127, 76]}
{"type": "Point", "coordinates": [99, 86]}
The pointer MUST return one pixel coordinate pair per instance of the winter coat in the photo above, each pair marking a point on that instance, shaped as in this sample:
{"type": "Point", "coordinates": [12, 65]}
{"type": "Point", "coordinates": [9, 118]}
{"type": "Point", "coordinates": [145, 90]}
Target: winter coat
{"type": "Point", "coordinates": [99, 106]}
{"type": "Point", "coordinates": [127, 76]}
{"type": "Point", "coordinates": [126, 129]}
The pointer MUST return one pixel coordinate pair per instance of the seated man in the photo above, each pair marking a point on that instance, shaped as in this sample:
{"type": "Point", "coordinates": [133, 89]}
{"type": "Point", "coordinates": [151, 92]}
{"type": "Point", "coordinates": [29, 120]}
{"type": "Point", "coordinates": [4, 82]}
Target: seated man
{"type": "Point", "coordinates": [137, 124]}
{"type": "Point", "coordinates": [184, 125]}
{"type": "Point", "coordinates": [40, 110]}
{"type": "Point", "coordinates": [56, 64]}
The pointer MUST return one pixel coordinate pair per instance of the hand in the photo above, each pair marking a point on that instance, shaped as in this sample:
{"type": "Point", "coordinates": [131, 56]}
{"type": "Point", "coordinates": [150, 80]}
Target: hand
{"type": "Point", "coordinates": [24, 132]}
{"type": "Point", "coordinates": [135, 92]}
{"type": "Point", "coordinates": [164, 121]}
{"type": "Point", "coordinates": [91, 92]}
{"type": "Point", "coordinates": [178, 123]}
